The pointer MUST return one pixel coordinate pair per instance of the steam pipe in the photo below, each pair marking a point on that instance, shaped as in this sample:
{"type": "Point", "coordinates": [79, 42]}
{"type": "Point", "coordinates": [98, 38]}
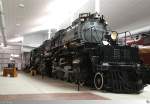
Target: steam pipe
{"type": "Point", "coordinates": [2, 24]}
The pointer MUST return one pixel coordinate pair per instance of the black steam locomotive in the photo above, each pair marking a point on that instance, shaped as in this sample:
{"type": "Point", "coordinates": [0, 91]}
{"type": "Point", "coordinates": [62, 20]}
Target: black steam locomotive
{"type": "Point", "coordinates": [89, 52]}
{"type": "Point", "coordinates": [39, 60]}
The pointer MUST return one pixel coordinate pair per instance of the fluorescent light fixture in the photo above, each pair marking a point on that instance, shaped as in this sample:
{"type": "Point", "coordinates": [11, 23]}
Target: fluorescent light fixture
{"type": "Point", "coordinates": [14, 55]}
{"type": "Point", "coordinates": [18, 39]}
{"type": "Point", "coordinates": [21, 5]}
{"type": "Point", "coordinates": [11, 58]}
{"type": "Point", "coordinates": [17, 24]}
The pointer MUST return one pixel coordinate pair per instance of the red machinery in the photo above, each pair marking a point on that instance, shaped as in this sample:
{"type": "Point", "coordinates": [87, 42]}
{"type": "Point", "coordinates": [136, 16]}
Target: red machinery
{"type": "Point", "coordinates": [145, 54]}
{"type": "Point", "coordinates": [139, 40]}
{"type": "Point", "coordinates": [143, 40]}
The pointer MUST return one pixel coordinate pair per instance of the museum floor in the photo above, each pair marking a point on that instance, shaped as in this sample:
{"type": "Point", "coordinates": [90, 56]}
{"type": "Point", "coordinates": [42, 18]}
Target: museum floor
{"type": "Point", "coordinates": [27, 87]}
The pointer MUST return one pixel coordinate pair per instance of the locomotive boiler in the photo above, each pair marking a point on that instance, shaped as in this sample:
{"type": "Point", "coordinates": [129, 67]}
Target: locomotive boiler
{"type": "Point", "coordinates": [88, 52]}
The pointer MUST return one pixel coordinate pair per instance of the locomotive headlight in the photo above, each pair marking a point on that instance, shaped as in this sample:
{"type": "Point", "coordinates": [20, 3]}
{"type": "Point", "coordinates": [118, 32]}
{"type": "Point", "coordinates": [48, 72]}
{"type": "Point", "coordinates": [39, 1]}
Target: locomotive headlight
{"type": "Point", "coordinates": [114, 35]}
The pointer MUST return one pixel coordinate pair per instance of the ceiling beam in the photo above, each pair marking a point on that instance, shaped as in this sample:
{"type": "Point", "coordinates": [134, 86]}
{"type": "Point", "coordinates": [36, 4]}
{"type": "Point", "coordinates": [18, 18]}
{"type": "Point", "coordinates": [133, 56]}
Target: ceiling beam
{"type": "Point", "coordinates": [2, 24]}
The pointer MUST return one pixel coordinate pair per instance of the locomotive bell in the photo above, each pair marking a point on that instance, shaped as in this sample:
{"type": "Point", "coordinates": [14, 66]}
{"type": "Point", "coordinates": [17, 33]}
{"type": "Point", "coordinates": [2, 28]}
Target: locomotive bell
{"type": "Point", "coordinates": [114, 35]}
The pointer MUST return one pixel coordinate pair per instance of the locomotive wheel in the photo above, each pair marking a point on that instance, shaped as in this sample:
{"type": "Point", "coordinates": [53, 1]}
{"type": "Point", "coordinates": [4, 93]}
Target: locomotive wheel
{"type": "Point", "coordinates": [98, 81]}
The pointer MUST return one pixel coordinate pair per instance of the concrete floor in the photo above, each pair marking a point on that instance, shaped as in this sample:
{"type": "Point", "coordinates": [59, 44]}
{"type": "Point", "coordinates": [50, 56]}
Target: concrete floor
{"type": "Point", "coordinates": [27, 84]}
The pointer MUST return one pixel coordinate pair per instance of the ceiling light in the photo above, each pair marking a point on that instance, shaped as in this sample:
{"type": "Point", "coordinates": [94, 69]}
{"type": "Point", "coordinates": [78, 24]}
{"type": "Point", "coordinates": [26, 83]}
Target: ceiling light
{"type": "Point", "coordinates": [17, 24]}
{"type": "Point", "coordinates": [21, 5]}
{"type": "Point", "coordinates": [14, 55]}
{"type": "Point", "coordinates": [11, 59]}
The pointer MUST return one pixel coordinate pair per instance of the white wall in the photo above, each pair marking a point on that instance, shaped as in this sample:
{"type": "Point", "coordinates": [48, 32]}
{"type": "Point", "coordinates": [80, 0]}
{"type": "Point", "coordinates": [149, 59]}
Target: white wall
{"type": "Point", "coordinates": [5, 55]}
{"type": "Point", "coordinates": [35, 39]}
